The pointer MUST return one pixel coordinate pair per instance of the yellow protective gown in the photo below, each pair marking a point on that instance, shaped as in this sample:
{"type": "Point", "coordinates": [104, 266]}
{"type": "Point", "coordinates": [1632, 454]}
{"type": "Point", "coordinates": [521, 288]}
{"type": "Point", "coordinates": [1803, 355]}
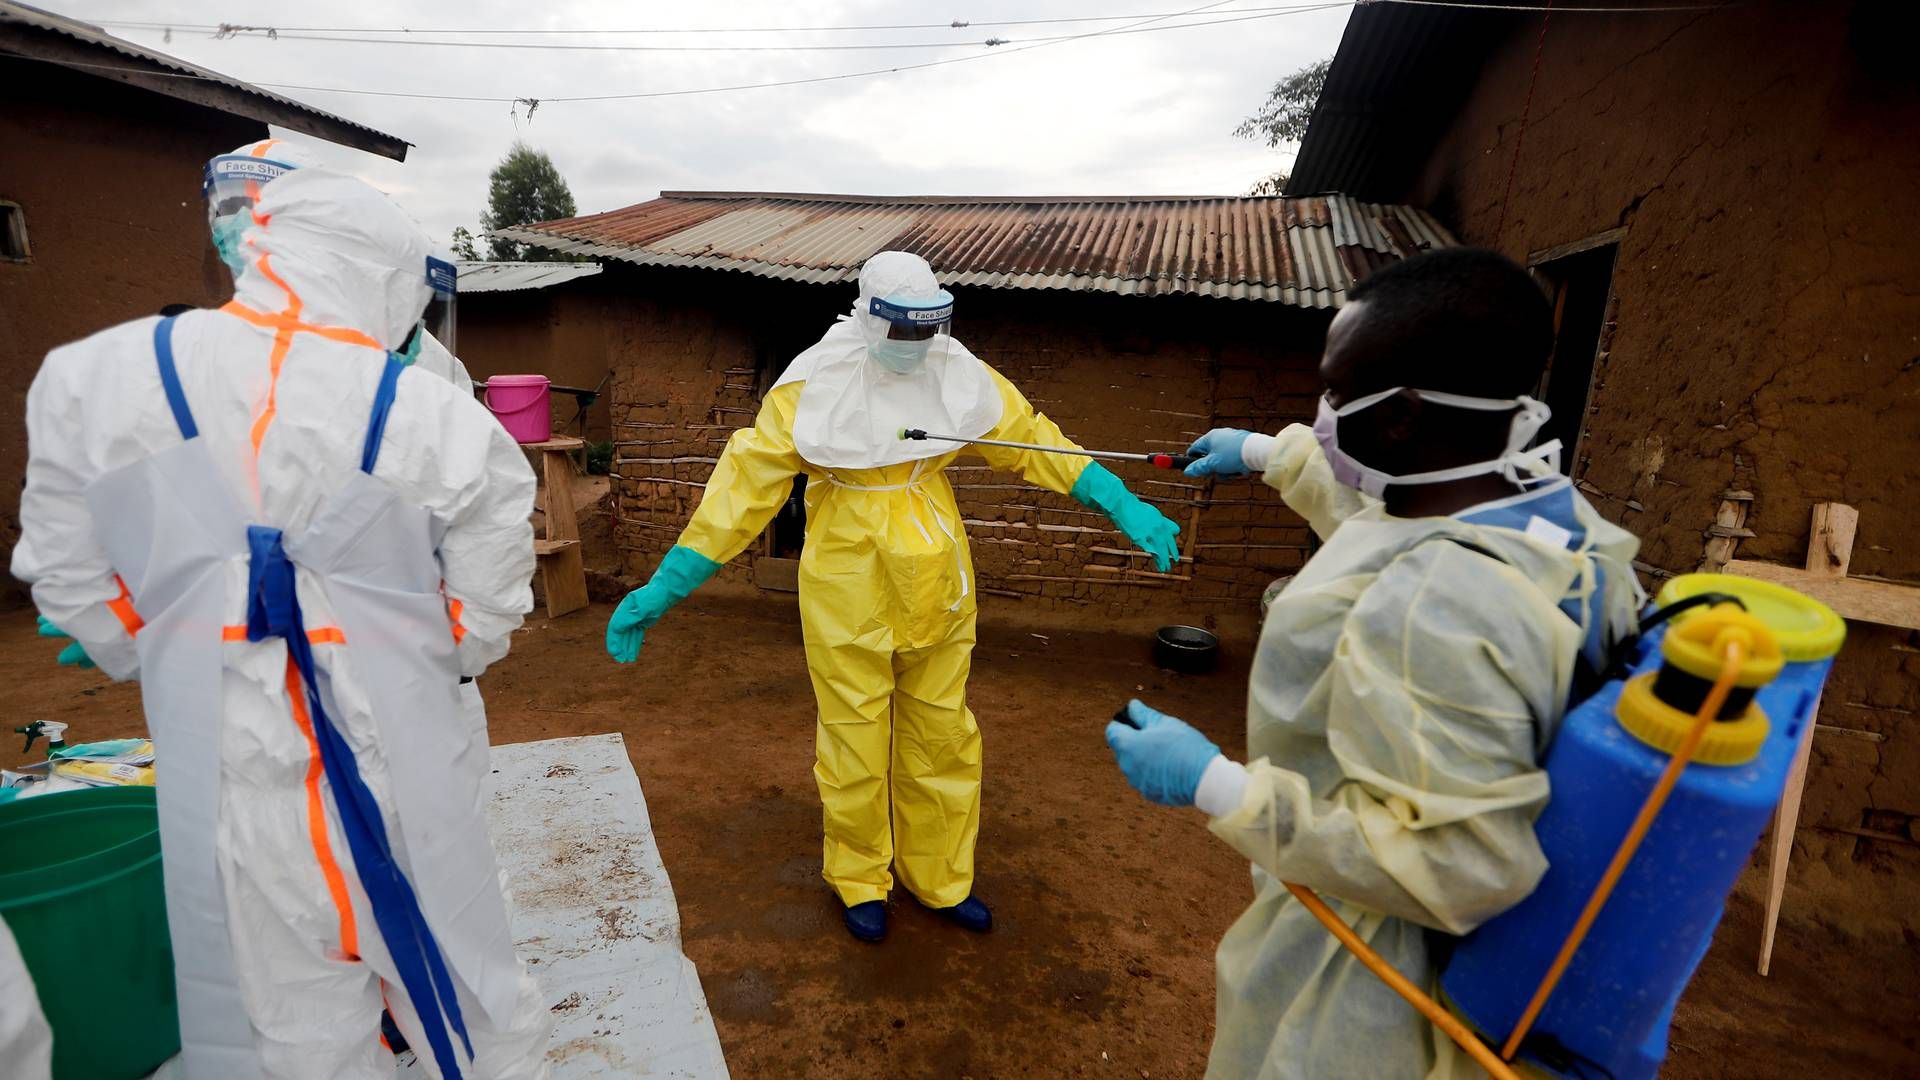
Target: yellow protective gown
{"type": "Point", "coordinates": [888, 621]}
{"type": "Point", "coordinates": [1404, 686]}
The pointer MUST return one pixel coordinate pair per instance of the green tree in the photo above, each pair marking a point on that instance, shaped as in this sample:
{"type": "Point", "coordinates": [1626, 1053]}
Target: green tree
{"type": "Point", "coordinates": [1282, 118]}
{"type": "Point", "coordinates": [463, 245]}
{"type": "Point", "coordinates": [524, 188]}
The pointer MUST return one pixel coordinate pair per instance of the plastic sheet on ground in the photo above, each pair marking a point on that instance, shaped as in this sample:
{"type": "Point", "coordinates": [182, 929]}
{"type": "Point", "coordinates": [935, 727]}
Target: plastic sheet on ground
{"type": "Point", "coordinates": [594, 908]}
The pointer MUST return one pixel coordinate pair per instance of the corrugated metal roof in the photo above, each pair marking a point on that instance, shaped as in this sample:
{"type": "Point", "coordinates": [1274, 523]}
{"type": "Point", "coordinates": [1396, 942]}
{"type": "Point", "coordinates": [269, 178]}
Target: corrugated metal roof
{"type": "Point", "coordinates": [1303, 251]}
{"type": "Point", "coordinates": [17, 16]}
{"type": "Point", "coordinates": [479, 277]}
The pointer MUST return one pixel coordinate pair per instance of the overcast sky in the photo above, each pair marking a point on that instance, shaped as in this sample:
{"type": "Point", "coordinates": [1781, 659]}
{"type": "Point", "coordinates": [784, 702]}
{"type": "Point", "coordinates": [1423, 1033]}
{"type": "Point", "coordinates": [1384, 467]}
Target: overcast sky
{"type": "Point", "coordinates": [1122, 114]}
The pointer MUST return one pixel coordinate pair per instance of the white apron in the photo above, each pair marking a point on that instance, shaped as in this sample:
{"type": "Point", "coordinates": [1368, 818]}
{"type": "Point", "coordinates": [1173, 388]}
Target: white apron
{"type": "Point", "coordinates": [176, 530]}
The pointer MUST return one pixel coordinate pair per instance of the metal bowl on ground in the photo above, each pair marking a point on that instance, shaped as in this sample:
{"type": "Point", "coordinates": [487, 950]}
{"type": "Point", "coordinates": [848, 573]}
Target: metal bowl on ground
{"type": "Point", "coordinates": [1186, 649]}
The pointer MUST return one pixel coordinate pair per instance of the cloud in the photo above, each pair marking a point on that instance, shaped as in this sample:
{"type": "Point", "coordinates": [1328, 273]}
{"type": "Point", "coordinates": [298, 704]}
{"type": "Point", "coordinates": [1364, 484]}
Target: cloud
{"type": "Point", "coordinates": [1140, 114]}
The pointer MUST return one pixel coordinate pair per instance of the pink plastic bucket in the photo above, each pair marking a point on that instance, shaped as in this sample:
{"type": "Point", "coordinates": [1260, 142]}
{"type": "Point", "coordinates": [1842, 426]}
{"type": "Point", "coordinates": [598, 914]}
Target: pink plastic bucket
{"type": "Point", "coordinates": [520, 401]}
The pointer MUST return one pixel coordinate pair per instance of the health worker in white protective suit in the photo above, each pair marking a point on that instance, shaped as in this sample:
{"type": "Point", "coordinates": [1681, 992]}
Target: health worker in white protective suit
{"type": "Point", "coordinates": [1408, 680]}
{"type": "Point", "coordinates": [299, 546]}
{"type": "Point", "coordinates": [231, 185]}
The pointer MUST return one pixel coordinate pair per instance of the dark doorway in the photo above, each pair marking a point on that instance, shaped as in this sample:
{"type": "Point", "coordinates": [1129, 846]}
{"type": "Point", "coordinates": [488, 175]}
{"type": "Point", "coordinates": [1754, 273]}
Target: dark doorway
{"type": "Point", "coordinates": [1581, 286]}
{"type": "Point", "coordinates": [777, 339]}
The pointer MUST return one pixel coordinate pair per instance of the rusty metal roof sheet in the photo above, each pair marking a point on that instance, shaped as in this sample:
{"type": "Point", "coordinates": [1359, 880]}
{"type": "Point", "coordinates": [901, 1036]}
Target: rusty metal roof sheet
{"type": "Point", "coordinates": [1302, 251]}
{"type": "Point", "coordinates": [37, 34]}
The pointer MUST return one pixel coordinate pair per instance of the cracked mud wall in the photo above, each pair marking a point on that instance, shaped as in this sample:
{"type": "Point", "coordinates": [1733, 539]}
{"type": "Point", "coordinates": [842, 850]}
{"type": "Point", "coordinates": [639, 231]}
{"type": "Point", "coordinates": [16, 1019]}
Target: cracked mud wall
{"type": "Point", "coordinates": [1766, 337]}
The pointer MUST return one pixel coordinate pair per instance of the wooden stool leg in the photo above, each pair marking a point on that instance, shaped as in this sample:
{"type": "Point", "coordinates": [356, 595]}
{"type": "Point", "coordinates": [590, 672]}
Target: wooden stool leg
{"type": "Point", "coordinates": [563, 575]}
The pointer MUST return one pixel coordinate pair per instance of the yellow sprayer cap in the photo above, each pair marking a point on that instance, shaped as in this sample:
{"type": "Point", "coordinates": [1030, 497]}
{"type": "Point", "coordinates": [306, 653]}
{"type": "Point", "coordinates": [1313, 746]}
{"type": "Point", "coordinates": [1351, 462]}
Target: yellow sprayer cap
{"type": "Point", "coordinates": [1806, 629]}
{"type": "Point", "coordinates": [1663, 727]}
{"type": "Point", "coordinates": [1698, 646]}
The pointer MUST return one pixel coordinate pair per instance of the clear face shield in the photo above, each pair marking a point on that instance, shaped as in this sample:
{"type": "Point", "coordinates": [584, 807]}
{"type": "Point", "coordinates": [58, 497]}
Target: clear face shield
{"type": "Point", "coordinates": [231, 184]}
{"type": "Point", "coordinates": [438, 318]}
{"type": "Point", "coordinates": [903, 333]}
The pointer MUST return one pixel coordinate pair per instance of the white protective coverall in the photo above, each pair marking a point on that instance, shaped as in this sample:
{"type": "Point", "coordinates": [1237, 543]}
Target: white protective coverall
{"type": "Point", "coordinates": [1407, 682]}
{"type": "Point", "coordinates": [26, 1042]}
{"type": "Point", "coordinates": [436, 360]}
{"type": "Point", "coordinates": [229, 205]}
{"type": "Point", "coordinates": [290, 460]}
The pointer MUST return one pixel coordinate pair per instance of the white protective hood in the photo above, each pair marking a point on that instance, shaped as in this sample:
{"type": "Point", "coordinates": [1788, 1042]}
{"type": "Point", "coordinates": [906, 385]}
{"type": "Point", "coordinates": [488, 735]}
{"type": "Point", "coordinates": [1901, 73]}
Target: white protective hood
{"type": "Point", "coordinates": [851, 409]}
{"type": "Point", "coordinates": [353, 257]}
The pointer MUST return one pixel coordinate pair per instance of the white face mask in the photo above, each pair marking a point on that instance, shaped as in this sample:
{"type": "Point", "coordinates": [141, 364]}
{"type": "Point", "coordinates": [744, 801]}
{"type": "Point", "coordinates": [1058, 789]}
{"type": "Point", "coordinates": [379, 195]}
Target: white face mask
{"type": "Point", "coordinates": [1517, 464]}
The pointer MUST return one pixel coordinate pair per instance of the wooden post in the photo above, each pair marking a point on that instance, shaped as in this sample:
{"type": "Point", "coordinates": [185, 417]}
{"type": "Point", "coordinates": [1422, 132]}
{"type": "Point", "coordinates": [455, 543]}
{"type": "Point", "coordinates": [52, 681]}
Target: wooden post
{"type": "Point", "coordinates": [1727, 530]}
{"type": "Point", "coordinates": [1829, 552]}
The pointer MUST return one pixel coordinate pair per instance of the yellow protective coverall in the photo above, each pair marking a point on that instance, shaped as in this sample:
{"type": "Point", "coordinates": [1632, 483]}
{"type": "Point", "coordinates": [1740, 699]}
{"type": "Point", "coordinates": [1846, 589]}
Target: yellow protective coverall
{"type": "Point", "coordinates": [888, 622]}
{"type": "Point", "coordinates": [1404, 687]}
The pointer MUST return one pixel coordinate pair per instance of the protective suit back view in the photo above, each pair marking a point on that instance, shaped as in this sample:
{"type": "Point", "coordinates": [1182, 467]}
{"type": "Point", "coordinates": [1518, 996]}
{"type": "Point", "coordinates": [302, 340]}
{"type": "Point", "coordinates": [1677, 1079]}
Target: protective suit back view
{"type": "Point", "coordinates": [299, 547]}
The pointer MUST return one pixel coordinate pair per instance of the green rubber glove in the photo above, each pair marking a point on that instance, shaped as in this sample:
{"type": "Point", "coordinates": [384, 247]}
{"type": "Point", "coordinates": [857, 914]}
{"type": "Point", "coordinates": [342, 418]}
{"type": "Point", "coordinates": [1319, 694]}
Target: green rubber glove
{"type": "Point", "coordinates": [681, 572]}
{"type": "Point", "coordinates": [74, 655]}
{"type": "Point", "coordinates": [1148, 528]}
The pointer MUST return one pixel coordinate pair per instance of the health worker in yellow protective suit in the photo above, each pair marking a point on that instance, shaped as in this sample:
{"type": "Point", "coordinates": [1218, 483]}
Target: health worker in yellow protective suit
{"type": "Point", "coordinates": [1408, 680]}
{"type": "Point", "coordinates": [887, 593]}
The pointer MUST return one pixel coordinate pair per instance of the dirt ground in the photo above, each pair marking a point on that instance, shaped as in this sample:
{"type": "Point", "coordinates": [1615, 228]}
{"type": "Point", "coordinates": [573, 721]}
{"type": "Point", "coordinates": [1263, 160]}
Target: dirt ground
{"type": "Point", "coordinates": [1107, 909]}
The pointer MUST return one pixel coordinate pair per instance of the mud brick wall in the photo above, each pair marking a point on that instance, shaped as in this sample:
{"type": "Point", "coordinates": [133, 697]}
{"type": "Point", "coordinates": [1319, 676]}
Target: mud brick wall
{"type": "Point", "coordinates": [1113, 372]}
{"type": "Point", "coordinates": [1764, 336]}
{"type": "Point", "coordinates": [129, 239]}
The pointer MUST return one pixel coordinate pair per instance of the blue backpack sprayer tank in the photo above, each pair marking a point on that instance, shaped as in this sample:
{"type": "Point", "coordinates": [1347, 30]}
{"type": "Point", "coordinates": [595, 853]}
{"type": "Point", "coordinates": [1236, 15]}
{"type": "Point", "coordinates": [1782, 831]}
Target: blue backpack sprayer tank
{"type": "Point", "coordinates": [1662, 783]}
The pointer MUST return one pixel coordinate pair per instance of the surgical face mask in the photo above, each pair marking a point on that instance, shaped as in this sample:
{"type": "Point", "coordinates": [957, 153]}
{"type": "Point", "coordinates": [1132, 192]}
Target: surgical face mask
{"type": "Point", "coordinates": [900, 357]}
{"type": "Point", "coordinates": [410, 352]}
{"type": "Point", "coordinates": [1517, 464]}
{"type": "Point", "coordinates": [227, 231]}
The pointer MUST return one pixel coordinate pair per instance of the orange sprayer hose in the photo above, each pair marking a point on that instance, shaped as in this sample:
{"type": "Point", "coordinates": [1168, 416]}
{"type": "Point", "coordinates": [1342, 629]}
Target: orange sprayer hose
{"type": "Point", "coordinates": [1657, 798]}
{"type": "Point", "coordinates": [1415, 997]}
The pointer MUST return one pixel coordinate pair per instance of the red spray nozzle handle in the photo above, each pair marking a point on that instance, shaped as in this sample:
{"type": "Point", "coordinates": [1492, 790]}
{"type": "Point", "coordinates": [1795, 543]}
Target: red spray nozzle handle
{"type": "Point", "coordinates": [1173, 461]}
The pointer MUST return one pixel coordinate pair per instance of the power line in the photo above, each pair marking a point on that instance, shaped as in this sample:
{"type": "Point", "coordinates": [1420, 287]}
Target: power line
{"type": "Point", "coordinates": [956, 24]}
{"type": "Point", "coordinates": [1138, 28]}
{"type": "Point", "coordinates": [296, 32]}
{"type": "Point", "coordinates": [1141, 26]}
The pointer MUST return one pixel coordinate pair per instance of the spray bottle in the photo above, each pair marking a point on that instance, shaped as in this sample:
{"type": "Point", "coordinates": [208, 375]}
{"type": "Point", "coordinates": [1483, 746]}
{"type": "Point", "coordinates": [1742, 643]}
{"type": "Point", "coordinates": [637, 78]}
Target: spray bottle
{"type": "Point", "coordinates": [53, 731]}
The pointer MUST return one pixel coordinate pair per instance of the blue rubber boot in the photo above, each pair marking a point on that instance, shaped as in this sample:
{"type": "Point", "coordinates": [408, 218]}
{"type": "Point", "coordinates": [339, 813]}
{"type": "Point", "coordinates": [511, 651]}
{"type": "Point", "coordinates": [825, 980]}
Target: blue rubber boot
{"type": "Point", "coordinates": [969, 914]}
{"type": "Point", "coordinates": [868, 921]}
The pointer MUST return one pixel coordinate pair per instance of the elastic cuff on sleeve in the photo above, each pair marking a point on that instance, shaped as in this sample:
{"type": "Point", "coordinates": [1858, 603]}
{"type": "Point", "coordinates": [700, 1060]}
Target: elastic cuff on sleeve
{"type": "Point", "coordinates": [1257, 451]}
{"type": "Point", "coordinates": [1222, 787]}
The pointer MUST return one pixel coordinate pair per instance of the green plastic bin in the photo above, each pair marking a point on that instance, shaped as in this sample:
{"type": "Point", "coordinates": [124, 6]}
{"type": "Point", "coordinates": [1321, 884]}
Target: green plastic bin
{"type": "Point", "coordinates": [80, 888]}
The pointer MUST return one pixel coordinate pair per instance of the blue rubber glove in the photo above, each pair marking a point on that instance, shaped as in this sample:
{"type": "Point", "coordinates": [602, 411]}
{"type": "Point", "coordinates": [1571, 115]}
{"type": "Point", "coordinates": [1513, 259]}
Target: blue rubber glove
{"type": "Point", "coordinates": [1221, 453]}
{"type": "Point", "coordinates": [74, 655]}
{"type": "Point", "coordinates": [1148, 528]}
{"type": "Point", "coordinates": [681, 572]}
{"type": "Point", "coordinates": [1163, 758]}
